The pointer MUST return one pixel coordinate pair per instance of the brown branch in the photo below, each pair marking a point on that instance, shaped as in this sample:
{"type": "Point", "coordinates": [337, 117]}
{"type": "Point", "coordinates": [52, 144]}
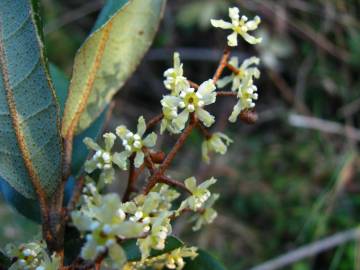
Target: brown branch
{"type": "Point", "coordinates": [76, 193]}
{"type": "Point", "coordinates": [131, 179]}
{"type": "Point", "coordinates": [233, 69]}
{"type": "Point", "coordinates": [193, 84]}
{"type": "Point", "coordinates": [226, 94]}
{"type": "Point", "coordinates": [222, 64]}
{"type": "Point", "coordinates": [204, 131]}
{"type": "Point", "coordinates": [174, 183]}
{"type": "Point", "coordinates": [154, 121]}
{"type": "Point", "coordinates": [170, 157]}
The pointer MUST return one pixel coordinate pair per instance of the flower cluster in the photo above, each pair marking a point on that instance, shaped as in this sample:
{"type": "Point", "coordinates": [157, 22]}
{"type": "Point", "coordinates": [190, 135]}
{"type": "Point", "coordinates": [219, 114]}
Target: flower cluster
{"type": "Point", "coordinates": [171, 260]}
{"type": "Point", "coordinates": [133, 144]}
{"type": "Point", "coordinates": [185, 99]}
{"type": "Point", "coordinates": [242, 77]}
{"type": "Point", "coordinates": [218, 142]}
{"type": "Point", "coordinates": [239, 26]}
{"type": "Point", "coordinates": [32, 256]}
{"type": "Point", "coordinates": [106, 222]}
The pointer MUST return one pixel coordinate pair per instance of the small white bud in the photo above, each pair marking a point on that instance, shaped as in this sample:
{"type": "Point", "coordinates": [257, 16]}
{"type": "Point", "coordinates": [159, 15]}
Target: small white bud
{"type": "Point", "coordinates": [137, 144]}
{"type": "Point", "coordinates": [99, 165]}
{"type": "Point", "coordinates": [128, 148]}
{"type": "Point", "coordinates": [121, 214]}
{"type": "Point", "coordinates": [162, 235]}
{"type": "Point", "coordinates": [89, 237]}
{"type": "Point", "coordinates": [147, 229]}
{"type": "Point", "coordinates": [137, 137]}
{"type": "Point", "coordinates": [244, 18]}
{"type": "Point", "coordinates": [27, 252]}
{"type": "Point", "coordinates": [97, 154]}
{"type": "Point", "coordinates": [100, 249]}
{"type": "Point", "coordinates": [110, 242]}
{"type": "Point", "coordinates": [146, 220]}
{"type": "Point", "coordinates": [107, 166]}
{"type": "Point", "coordinates": [106, 229]}
{"type": "Point", "coordinates": [138, 215]}
{"type": "Point", "coordinates": [94, 225]}
{"type": "Point", "coordinates": [129, 135]}
{"type": "Point", "coordinates": [22, 262]}
{"type": "Point", "coordinates": [106, 157]}
{"type": "Point", "coordinates": [191, 107]}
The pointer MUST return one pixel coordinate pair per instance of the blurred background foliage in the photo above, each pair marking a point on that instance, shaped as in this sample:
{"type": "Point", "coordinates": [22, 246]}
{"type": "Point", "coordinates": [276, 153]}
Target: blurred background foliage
{"type": "Point", "coordinates": [291, 178]}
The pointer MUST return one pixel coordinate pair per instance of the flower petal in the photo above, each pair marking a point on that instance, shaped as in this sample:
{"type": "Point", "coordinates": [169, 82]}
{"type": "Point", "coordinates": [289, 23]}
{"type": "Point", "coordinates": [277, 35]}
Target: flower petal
{"type": "Point", "coordinates": [150, 140]}
{"type": "Point", "coordinates": [139, 159]}
{"type": "Point", "coordinates": [109, 140]}
{"type": "Point", "coordinates": [92, 144]}
{"type": "Point", "coordinates": [221, 24]}
{"type": "Point", "coordinates": [141, 126]}
{"type": "Point", "coordinates": [120, 159]}
{"type": "Point", "coordinates": [235, 113]}
{"type": "Point", "coordinates": [224, 81]}
{"type": "Point", "coordinates": [181, 120]}
{"type": "Point", "coordinates": [232, 39]}
{"type": "Point", "coordinates": [234, 14]}
{"type": "Point", "coordinates": [205, 117]}
{"type": "Point", "coordinates": [250, 39]}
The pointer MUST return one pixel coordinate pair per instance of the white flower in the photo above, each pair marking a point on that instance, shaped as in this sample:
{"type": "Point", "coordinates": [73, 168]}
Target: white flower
{"type": "Point", "coordinates": [239, 26]}
{"type": "Point", "coordinates": [191, 101]}
{"type": "Point", "coordinates": [200, 194]}
{"type": "Point", "coordinates": [102, 158]}
{"type": "Point", "coordinates": [175, 81]}
{"type": "Point", "coordinates": [133, 143]}
{"type": "Point", "coordinates": [246, 96]}
{"type": "Point", "coordinates": [245, 71]}
{"type": "Point", "coordinates": [218, 143]}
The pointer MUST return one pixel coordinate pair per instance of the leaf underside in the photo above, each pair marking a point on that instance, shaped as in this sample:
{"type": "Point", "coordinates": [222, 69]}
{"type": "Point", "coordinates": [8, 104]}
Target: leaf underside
{"type": "Point", "coordinates": [107, 59]}
{"type": "Point", "coordinates": [30, 144]}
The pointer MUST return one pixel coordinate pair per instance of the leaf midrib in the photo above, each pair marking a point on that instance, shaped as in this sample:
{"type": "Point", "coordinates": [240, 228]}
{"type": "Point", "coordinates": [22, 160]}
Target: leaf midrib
{"type": "Point", "coordinates": [90, 80]}
{"type": "Point", "coordinates": [35, 180]}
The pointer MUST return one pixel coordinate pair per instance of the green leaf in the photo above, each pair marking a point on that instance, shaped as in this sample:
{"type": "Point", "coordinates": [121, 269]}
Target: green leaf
{"type": "Point", "coordinates": [107, 59]}
{"type": "Point", "coordinates": [61, 83]}
{"type": "Point", "coordinates": [4, 261]}
{"type": "Point", "coordinates": [204, 261]}
{"type": "Point", "coordinates": [133, 252]}
{"type": "Point", "coordinates": [30, 143]}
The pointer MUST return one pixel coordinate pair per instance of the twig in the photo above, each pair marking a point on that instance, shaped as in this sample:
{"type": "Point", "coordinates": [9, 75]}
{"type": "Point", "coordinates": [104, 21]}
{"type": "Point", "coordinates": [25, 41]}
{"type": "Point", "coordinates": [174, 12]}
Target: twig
{"type": "Point", "coordinates": [222, 65]}
{"type": "Point", "coordinates": [324, 126]}
{"type": "Point", "coordinates": [226, 94]}
{"type": "Point", "coordinates": [76, 194]}
{"type": "Point", "coordinates": [171, 182]}
{"type": "Point", "coordinates": [131, 179]}
{"type": "Point", "coordinates": [170, 157]}
{"type": "Point", "coordinates": [204, 131]}
{"type": "Point", "coordinates": [310, 250]}
{"type": "Point", "coordinates": [154, 121]}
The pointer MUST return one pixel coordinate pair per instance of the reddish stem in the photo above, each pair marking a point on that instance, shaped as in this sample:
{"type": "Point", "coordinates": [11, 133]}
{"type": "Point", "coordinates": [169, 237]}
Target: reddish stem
{"type": "Point", "coordinates": [204, 131]}
{"type": "Point", "coordinates": [154, 121]}
{"type": "Point", "coordinates": [131, 179]}
{"type": "Point", "coordinates": [226, 94]}
{"type": "Point", "coordinates": [222, 64]}
{"type": "Point", "coordinates": [171, 182]}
